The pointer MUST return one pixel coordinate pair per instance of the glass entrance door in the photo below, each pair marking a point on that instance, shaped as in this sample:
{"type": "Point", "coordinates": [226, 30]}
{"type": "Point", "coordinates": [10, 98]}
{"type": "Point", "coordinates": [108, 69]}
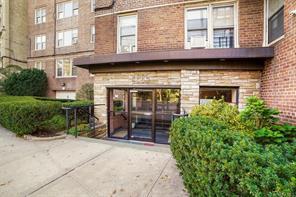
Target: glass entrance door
{"type": "Point", "coordinates": [142, 114]}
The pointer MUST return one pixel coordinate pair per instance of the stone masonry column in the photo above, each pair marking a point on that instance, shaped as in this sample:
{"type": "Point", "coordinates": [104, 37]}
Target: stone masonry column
{"type": "Point", "coordinates": [189, 89]}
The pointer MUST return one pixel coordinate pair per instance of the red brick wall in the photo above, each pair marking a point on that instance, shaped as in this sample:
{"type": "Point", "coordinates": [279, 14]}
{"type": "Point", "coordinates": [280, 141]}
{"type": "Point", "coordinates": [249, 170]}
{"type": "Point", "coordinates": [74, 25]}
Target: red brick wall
{"type": "Point", "coordinates": [48, 57]}
{"type": "Point", "coordinates": [279, 75]}
{"type": "Point", "coordinates": [251, 23]}
{"type": "Point", "coordinates": [162, 28]}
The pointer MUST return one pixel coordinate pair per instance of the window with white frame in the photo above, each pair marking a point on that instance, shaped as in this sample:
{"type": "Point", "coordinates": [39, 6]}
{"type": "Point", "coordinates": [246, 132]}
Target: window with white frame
{"type": "Point", "coordinates": [40, 15]}
{"type": "Point", "coordinates": [65, 68]}
{"type": "Point", "coordinates": [67, 9]}
{"type": "Point", "coordinates": [210, 27]}
{"type": "Point", "coordinates": [127, 34]}
{"type": "Point", "coordinates": [93, 34]}
{"type": "Point", "coordinates": [92, 5]}
{"type": "Point", "coordinates": [39, 65]}
{"type": "Point", "coordinates": [40, 42]}
{"type": "Point", "coordinates": [197, 27]}
{"type": "Point", "coordinates": [67, 38]}
{"type": "Point", "coordinates": [223, 27]}
{"type": "Point", "coordinates": [274, 17]}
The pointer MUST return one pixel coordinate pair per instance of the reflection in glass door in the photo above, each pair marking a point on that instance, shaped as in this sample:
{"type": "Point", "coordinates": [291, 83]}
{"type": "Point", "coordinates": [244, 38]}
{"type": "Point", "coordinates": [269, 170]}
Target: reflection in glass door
{"type": "Point", "coordinates": [118, 113]}
{"type": "Point", "coordinates": [167, 104]}
{"type": "Point", "coordinates": [141, 113]}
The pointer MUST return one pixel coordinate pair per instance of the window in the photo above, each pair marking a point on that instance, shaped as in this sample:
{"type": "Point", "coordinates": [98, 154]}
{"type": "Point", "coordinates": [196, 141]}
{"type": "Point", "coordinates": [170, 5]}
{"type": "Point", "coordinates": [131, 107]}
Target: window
{"type": "Point", "coordinates": [93, 34]}
{"type": "Point", "coordinates": [39, 65]}
{"type": "Point", "coordinates": [40, 42]}
{"type": "Point", "coordinates": [229, 94]}
{"type": "Point", "coordinates": [212, 26]}
{"type": "Point", "coordinates": [67, 9]}
{"type": "Point", "coordinates": [197, 27]}
{"type": "Point", "coordinates": [223, 27]}
{"type": "Point", "coordinates": [67, 38]}
{"type": "Point", "coordinates": [274, 20]}
{"type": "Point", "coordinates": [64, 68]}
{"type": "Point", "coordinates": [127, 34]}
{"type": "Point", "coordinates": [40, 15]}
{"type": "Point", "coordinates": [92, 5]}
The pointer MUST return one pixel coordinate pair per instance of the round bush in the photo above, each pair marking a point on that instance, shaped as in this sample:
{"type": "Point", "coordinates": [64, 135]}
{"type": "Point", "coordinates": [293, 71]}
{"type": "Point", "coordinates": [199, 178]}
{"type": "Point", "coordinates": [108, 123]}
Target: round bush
{"type": "Point", "coordinates": [218, 161]}
{"type": "Point", "coordinates": [28, 82]}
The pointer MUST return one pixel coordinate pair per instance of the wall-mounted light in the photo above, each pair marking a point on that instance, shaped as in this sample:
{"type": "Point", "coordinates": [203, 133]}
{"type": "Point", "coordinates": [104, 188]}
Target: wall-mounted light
{"type": "Point", "coordinates": [293, 12]}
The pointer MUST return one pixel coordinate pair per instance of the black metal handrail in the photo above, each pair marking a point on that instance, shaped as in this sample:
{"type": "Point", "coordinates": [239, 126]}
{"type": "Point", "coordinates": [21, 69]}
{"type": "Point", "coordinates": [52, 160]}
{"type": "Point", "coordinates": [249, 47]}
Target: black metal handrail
{"type": "Point", "coordinates": [76, 109]}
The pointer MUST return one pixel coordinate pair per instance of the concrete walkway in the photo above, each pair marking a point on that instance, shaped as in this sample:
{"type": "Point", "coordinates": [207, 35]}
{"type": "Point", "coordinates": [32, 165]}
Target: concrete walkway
{"type": "Point", "coordinates": [85, 167]}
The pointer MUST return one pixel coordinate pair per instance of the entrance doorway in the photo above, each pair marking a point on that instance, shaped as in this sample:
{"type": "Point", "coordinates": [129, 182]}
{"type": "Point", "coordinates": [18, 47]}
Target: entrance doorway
{"type": "Point", "coordinates": [141, 113]}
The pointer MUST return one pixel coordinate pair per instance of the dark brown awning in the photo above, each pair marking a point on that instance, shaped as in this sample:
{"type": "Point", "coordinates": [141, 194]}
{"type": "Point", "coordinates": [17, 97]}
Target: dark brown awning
{"type": "Point", "coordinates": [177, 55]}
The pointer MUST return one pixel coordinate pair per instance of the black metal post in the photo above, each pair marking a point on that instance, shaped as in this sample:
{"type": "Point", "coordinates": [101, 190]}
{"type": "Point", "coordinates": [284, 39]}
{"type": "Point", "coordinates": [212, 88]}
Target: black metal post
{"type": "Point", "coordinates": [89, 117]}
{"type": "Point", "coordinates": [75, 117]}
{"type": "Point", "coordinates": [67, 120]}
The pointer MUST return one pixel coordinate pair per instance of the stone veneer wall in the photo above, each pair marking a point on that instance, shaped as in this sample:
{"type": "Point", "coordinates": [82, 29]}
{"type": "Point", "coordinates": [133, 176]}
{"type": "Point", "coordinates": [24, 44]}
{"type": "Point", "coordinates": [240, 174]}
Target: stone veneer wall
{"type": "Point", "coordinates": [188, 80]}
{"type": "Point", "coordinates": [189, 89]}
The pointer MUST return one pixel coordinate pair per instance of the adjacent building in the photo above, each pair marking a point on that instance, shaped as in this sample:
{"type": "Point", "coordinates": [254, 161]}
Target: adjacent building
{"type": "Point", "coordinates": [154, 59]}
{"type": "Point", "coordinates": [59, 31]}
{"type": "Point", "coordinates": [13, 33]}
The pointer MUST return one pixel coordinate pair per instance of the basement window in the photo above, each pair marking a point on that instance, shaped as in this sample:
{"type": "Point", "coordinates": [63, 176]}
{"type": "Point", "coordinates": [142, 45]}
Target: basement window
{"type": "Point", "coordinates": [229, 94]}
{"type": "Point", "coordinates": [39, 65]}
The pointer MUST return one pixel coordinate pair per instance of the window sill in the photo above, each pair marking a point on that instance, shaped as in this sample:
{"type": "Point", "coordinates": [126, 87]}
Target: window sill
{"type": "Point", "coordinates": [118, 52]}
{"type": "Point", "coordinates": [40, 23]}
{"type": "Point", "coordinates": [275, 41]}
{"type": "Point", "coordinates": [40, 49]}
{"type": "Point", "coordinates": [68, 46]}
{"type": "Point", "coordinates": [68, 17]}
{"type": "Point", "coordinates": [66, 77]}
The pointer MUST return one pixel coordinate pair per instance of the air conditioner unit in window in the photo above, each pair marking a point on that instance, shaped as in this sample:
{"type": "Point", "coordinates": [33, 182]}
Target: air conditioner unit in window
{"type": "Point", "coordinates": [129, 49]}
{"type": "Point", "coordinates": [198, 42]}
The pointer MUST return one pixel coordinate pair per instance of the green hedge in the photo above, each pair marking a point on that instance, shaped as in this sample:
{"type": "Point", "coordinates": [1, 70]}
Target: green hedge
{"type": "Point", "coordinates": [26, 117]}
{"type": "Point", "coordinates": [5, 99]}
{"type": "Point", "coordinates": [81, 103]}
{"type": "Point", "coordinates": [28, 82]}
{"type": "Point", "coordinates": [218, 161]}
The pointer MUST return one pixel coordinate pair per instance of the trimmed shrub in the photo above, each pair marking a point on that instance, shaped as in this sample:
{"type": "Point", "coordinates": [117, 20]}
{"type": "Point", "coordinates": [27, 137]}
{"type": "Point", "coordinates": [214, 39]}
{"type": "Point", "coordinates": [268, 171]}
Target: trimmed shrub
{"type": "Point", "coordinates": [78, 103]}
{"type": "Point", "coordinates": [56, 123]}
{"type": "Point", "coordinates": [216, 160]}
{"type": "Point", "coordinates": [220, 110]}
{"type": "Point", "coordinates": [28, 82]}
{"type": "Point", "coordinates": [52, 99]}
{"type": "Point", "coordinates": [9, 99]}
{"type": "Point", "coordinates": [26, 117]}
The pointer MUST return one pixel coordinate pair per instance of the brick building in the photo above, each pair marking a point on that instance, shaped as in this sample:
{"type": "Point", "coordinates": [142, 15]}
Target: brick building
{"type": "Point", "coordinates": [154, 59]}
{"type": "Point", "coordinates": [60, 31]}
{"type": "Point", "coordinates": [13, 33]}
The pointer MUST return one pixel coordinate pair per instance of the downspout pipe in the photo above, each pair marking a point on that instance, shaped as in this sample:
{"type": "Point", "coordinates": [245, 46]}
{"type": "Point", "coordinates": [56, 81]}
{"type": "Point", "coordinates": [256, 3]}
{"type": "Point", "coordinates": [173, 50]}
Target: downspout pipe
{"type": "Point", "coordinates": [106, 7]}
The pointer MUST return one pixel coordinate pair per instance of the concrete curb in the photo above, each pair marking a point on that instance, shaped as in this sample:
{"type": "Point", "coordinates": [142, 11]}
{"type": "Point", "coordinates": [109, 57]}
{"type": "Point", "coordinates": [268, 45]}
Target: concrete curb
{"type": "Point", "coordinates": [33, 138]}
